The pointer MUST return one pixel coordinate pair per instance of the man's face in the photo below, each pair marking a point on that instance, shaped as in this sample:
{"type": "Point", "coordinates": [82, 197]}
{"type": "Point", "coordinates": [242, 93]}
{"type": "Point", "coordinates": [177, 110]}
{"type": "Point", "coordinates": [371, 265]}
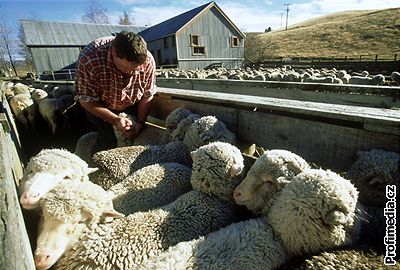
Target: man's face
{"type": "Point", "coordinates": [123, 65]}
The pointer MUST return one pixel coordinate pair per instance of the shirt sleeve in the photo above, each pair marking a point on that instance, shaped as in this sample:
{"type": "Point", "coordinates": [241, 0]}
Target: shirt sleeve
{"type": "Point", "coordinates": [150, 87]}
{"type": "Point", "coordinates": [86, 82]}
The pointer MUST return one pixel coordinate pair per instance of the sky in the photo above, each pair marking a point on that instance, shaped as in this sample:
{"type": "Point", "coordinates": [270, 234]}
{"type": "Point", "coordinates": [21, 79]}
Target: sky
{"type": "Point", "coordinates": [248, 15]}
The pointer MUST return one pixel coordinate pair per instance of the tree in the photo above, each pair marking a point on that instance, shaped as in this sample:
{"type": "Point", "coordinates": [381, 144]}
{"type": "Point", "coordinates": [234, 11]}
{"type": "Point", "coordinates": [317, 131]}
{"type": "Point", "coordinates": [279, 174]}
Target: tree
{"type": "Point", "coordinates": [125, 20]}
{"type": "Point", "coordinates": [6, 44]}
{"type": "Point", "coordinates": [95, 13]}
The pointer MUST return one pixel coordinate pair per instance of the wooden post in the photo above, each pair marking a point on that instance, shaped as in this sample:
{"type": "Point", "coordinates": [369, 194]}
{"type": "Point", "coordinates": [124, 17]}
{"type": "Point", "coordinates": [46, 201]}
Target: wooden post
{"type": "Point", "coordinates": [345, 59]}
{"type": "Point", "coordinates": [360, 57]}
{"type": "Point", "coordinates": [376, 58]}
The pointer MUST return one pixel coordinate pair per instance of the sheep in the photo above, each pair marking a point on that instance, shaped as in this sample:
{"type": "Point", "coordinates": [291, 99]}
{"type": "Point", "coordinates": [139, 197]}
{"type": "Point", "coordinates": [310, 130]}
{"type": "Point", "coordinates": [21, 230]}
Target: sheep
{"type": "Point", "coordinates": [127, 241]}
{"type": "Point", "coordinates": [376, 80]}
{"type": "Point", "coordinates": [395, 76]}
{"type": "Point", "coordinates": [46, 169]}
{"type": "Point", "coordinates": [52, 109]}
{"type": "Point", "coordinates": [121, 138]}
{"type": "Point", "coordinates": [347, 258]}
{"type": "Point", "coordinates": [116, 164]}
{"type": "Point", "coordinates": [180, 131]}
{"type": "Point", "coordinates": [266, 177]}
{"type": "Point", "coordinates": [372, 171]}
{"type": "Point", "coordinates": [150, 187]}
{"type": "Point", "coordinates": [88, 203]}
{"type": "Point", "coordinates": [24, 110]}
{"type": "Point", "coordinates": [85, 145]}
{"type": "Point", "coordinates": [315, 79]}
{"type": "Point", "coordinates": [173, 119]}
{"type": "Point", "coordinates": [62, 90]}
{"type": "Point", "coordinates": [314, 212]}
{"type": "Point", "coordinates": [20, 88]}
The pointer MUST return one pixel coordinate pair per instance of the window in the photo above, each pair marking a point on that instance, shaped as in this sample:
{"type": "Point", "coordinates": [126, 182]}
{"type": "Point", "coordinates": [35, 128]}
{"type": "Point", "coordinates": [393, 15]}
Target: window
{"type": "Point", "coordinates": [195, 40]}
{"type": "Point", "coordinates": [199, 50]}
{"type": "Point", "coordinates": [235, 41]}
{"type": "Point", "coordinates": [165, 42]}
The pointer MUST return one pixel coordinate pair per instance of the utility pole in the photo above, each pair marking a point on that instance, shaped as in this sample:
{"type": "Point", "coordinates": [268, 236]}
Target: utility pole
{"type": "Point", "coordinates": [287, 13]}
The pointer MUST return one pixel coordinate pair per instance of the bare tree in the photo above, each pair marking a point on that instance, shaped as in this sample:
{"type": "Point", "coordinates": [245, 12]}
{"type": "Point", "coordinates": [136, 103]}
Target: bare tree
{"type": "Point", "coordinates": [95, 13]}
{"type": "Point", "coordinates": [6, 43]}
{"type": "Point", "coordinates": [125, 20]}
{"type": "Point", "coordinates": [23, 49]}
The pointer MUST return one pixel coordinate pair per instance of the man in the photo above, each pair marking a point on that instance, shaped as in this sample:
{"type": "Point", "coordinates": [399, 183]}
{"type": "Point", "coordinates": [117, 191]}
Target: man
{"type": "Point", "coordinates": [115, 74]}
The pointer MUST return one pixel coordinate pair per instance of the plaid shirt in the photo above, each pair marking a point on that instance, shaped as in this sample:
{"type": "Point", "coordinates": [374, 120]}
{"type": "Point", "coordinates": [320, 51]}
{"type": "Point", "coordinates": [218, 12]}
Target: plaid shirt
{"type": "Point", "coordinates": [97, 78]}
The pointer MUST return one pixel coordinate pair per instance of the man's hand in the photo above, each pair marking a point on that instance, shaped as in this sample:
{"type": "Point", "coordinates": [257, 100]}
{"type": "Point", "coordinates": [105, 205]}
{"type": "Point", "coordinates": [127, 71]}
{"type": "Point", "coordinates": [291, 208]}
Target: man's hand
{"type": "Point", "coordinates": [123, 124]}
{"type": "Point", "coordinates": [134, 132]}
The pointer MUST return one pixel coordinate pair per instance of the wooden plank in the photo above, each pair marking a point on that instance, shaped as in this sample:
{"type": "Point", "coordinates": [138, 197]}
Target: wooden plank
{"type": "Point", "coordinates": [360, 95]}
{"type": "Point", "coordinates": [14, 243]}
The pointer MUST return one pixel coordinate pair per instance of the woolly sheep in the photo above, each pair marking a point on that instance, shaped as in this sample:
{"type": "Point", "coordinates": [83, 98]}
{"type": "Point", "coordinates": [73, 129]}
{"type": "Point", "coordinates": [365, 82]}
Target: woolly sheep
{"type": "Point", "coordinates": [314, 212]}
{"type": "Point", "coordinates": [150, 187]}
{"type": "Point", "coordinates": [376, 80]}
{"type": "Point", "coordinates": [266, 177]}
{"type": "Point", "coordinates": [173, 119]}
{"type": "Point", "coordinates": [180, 131]}
{"type": "Point", "coordinates": [121, 138]}
{"type": "Point", "coordinates": [125, 242]}
{"type": "Point", "coordinates": [395, 76]}
{"type": "Point", "coordinates": [20, 88]}
{"type": "Point", "coordinates": [315, 79]}
{"type": "Point", "coordinates": [85, 146]}
{"type": "Point", "coordinates": [24, 110]}
{"type": "Point", "coordinates": [87, 202]}
{"type": "Point", "coordinates": [116, 164]}
{"type": "Point", "coordinates": [46, 169]}
{"type": "Point", "coordinates": [372, 172]}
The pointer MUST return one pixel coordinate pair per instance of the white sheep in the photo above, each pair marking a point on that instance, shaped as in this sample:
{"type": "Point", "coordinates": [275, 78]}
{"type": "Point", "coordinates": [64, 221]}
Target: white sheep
{"type": "Point", "coordinates": [151, 187]}
{"type": "Point", "coordinates": [315, 79]}
{"type": "Point", "coordinates": [266, 177]}
{"type": "Point", "coordinates": [314, 212]}
{"type": "Point", "coordinates": [180, 131]}
{"type": "Point", "coordinates": [46, 169]}
{"type": "Point", "coordinates": [116, 164]}
{"type": "Point", "coordinates": [376, 80]}
{"type": "Point", "coordinates": [52, 109]}
{"type": "Point", "coordinates": [173, 119]}
{"type": "Point", "coordinates": [395, 76]}
{"type": "Point", "coordinates": [24, 110]}
{"type": "Point", "coordinates": [372, 172]}
{"type": "Point", "coordinates": [125, 242]}
{"type": "Point", "coordinates": [20, 88]}
{"type": "Point", "coordinates": [122, 140]}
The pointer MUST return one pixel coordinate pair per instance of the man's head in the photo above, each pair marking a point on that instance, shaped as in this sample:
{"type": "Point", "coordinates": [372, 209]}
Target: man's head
{"type": "Point", "coordinates": [131, 47]}
{"type": "Point", "coordinates": [129, 51]}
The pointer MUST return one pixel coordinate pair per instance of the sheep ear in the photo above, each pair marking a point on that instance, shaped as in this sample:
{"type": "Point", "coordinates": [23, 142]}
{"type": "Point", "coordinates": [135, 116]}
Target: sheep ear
{"type": "Point", "coordinates": [112, 213]}
{"type": "Point", "coordinates": [91, 170]}
{"type": "Point", "coordinates": [335, 217]}
{"type": "Point", "coordinates": [235, 170]}
{"type": "Point", "coordinates": [294, 167]}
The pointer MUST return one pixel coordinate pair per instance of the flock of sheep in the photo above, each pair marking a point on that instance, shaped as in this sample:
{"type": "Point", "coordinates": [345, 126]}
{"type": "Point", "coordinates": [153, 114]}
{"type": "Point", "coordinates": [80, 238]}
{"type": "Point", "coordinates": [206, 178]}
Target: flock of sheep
{"type": "Point", "coordinates": [186, 201]}
{"type": "Point", "coordinates": [286, 74]}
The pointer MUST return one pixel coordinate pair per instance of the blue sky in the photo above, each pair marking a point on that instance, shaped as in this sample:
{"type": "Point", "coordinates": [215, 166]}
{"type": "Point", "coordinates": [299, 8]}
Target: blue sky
{"type": "Point", "coordinates": [248, 15]}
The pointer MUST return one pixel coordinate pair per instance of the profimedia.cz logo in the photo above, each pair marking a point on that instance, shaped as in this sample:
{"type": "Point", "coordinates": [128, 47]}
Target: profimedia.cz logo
{"type": "Point", "coordinates": [390, 215]}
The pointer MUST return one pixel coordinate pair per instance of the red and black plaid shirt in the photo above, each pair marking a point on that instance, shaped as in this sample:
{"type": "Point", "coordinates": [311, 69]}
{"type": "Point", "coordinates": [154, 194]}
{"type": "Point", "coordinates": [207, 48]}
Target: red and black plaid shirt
{"type": "Point", "coordinates": [97, 78]}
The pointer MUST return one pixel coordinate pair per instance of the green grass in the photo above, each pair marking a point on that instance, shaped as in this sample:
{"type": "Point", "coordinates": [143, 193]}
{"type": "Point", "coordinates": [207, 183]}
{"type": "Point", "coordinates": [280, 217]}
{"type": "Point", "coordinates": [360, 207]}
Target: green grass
{"type": "Point", "coordinates": [351, 33]}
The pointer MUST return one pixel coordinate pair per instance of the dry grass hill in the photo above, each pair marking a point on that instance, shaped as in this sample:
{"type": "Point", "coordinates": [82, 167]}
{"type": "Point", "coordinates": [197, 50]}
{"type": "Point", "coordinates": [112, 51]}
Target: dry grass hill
{"type": "Point", "coordinates": [350, 33]}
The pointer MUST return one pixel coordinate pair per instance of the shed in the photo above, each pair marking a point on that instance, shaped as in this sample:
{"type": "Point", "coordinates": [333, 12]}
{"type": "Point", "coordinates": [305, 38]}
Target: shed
{"type": "Point", "coordinates": [56, 45]}
{"type": "Point", "coordinates": [201, 37]}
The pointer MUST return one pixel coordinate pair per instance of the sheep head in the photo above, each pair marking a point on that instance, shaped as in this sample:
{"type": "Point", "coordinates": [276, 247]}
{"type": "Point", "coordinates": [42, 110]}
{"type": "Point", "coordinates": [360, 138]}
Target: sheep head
{"type": "Point", "coordinates": [68, 210]}
{"type": "Point", "coordinates": [173, 119]}
{"type": "Point", "coordinates": [217, 169]}
{"type": "Point", "coordinates": [268, 175]}
{"type": "Point", "coordinates": [372, 171]}
{"type": "Point", "coordinates": [315, 211]}
{"type": "Point", "coordinates": [45, 170]}
{"type": "Point", "coordinates": [205, 130]}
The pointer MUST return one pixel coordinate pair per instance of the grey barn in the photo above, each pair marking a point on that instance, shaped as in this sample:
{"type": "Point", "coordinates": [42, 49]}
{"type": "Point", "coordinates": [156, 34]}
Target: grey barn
{"type": "Point", "coordinates": [56, 45]}
{"type": "Point", "coordinates": [197, 38]}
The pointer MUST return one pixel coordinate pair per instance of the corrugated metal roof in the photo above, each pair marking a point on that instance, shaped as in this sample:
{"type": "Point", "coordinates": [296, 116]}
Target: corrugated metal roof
{"type": "Point", "coordinates": [171, 26]}
{"type": "Point", "coordinates": [41, 33]}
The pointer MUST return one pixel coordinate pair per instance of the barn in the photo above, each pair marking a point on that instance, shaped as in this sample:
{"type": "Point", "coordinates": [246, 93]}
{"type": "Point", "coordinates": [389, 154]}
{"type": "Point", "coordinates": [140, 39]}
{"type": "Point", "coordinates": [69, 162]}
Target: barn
{"type": "Point", "coordinates": [55, 46]}
{"type": "Point", "coordinates": [201, 37]}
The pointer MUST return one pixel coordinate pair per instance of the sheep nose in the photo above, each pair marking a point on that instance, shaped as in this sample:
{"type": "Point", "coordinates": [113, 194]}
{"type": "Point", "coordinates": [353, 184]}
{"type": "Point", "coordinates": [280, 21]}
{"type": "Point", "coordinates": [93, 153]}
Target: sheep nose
{"type": "Point", "coordinates": [237, 194]}
{"type": "Point", "coordinates": [42, 259]}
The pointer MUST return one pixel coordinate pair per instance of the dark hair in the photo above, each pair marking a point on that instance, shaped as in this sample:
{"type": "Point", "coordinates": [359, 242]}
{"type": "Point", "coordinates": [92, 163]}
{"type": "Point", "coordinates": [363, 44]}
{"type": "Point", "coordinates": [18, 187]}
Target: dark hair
{"type": "Point", "coordinates": [130, 46]}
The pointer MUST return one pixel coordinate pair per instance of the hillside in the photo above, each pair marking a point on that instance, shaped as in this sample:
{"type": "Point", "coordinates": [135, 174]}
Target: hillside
{"type": "Point", "coordinates": [350, 33]}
